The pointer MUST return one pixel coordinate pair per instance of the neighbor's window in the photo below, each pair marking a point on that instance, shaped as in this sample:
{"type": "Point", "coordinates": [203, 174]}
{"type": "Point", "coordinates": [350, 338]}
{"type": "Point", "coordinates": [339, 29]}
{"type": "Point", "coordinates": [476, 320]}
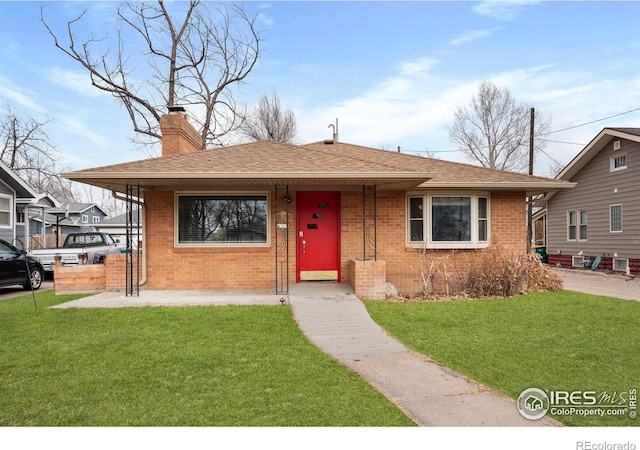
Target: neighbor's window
{"type": "Point", "coordinates": [582, 218]}
{"type": "Point", "coordinates": [577, 225]}
{"type": "Point", "coordinates": [571, 225]}
{"type": "Point", "coordinates": [222, 219]}
{"type": "Point", "coordinates": [615, 218]}
{"type": "Point", "coordinates": [618, 162]}
{"type": "Point", "coordinates": [96, 219]}
{"type": "Point", "coordinates": [620, 264]}
{"type": "Point", "coordinates": [440, 221]}
{"type": "Point", "coordinates": [5, 211]}
{"type": "Point", "coordinates": [85, 218]}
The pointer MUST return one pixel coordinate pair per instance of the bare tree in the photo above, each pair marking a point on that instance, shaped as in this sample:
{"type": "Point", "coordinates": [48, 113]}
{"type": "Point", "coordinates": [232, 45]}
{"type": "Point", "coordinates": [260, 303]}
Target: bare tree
{"type": "Point", "coordinates": [268, 121]}
{"type": "Point", "coordinates": [196, 56]}
{"type": "Point", "coordinates": [494, 129]}
{"type": "Point", "coordinates": [28, 151]}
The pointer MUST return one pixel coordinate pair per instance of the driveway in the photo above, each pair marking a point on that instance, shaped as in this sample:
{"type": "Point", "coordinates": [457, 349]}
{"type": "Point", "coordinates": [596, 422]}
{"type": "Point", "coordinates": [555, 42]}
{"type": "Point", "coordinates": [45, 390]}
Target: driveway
{"type": "Point", "coordinates": [16, 291]}
{"type": "Point", "coordinates": [600, 283]}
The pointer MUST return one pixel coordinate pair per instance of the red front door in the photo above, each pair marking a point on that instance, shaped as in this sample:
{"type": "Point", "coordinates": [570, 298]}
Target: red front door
{"type": "Point", "coordinates": [318, 249]}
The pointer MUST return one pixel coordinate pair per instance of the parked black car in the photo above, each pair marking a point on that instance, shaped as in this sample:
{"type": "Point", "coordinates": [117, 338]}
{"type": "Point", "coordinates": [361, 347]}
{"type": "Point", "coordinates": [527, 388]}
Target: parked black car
{"type": "Point", "coordinates": [13, 267]}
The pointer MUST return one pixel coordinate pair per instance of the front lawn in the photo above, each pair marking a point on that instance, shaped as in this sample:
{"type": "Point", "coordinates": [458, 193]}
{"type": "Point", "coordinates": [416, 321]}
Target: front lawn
{"type": "Point", "coordinates": [552, 341]}
{"type": "Point", "coordinates": [197, 366]}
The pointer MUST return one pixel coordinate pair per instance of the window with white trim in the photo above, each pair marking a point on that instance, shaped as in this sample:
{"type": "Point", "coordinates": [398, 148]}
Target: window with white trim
{"type": "Point", "coordinates": [5, 211]}
{"type": "Point", "coordinates": [572, 227]}
{"type": "Point", "coordinates": [577, 225]}
{"type": "Point", "coordinates": [618, 162]}
{"type": "Point", "coordinates": [448, 221]}
{"type": "Point", "coordinates": [96, 219]}
{"type": "Point", "coordinates": [85, 218]}
{"type": "Point", "coordinates": [222, 220]}
{"type": "Point", "coordinates": [620, 264]}
{"type": "Point", "coordinates": [615, 218]}
{"type": "Point", "coordinates": [582, 224]}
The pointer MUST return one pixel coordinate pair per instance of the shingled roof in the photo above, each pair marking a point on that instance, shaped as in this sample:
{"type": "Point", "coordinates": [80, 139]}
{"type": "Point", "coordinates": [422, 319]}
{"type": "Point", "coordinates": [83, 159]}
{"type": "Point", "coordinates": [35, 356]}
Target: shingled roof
{"type": "Point", "coordinates": [268, 163]}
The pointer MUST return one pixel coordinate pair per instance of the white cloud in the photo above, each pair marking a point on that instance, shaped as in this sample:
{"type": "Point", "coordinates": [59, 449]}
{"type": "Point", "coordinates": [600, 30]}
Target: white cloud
{"type": "Point", "coordinates": [23, 97]}
{"type": "Point", "coordinates": [77, 127]}
{"type": "Point", "coordinates": [473, 35]}
{"type": "Point", "coordinates": [74, 81]}
{"type": "Point", "coordinates": [418, 66]}
{"type": "Point", "coordinates": [502, 9]}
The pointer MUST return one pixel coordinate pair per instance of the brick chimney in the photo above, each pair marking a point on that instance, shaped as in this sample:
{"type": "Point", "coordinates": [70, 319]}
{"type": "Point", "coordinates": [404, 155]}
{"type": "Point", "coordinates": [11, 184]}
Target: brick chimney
{"type": "Point", "coordinates": [178, 135]}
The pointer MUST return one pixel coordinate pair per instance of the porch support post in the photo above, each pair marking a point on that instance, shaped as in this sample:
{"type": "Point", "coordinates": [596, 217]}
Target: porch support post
{"type": "Point", "coordinates": [369, 223]}
{"type": "Point", "coordinates": [132, 257]}
{"type": "Point", "coordinates": [281, 238]}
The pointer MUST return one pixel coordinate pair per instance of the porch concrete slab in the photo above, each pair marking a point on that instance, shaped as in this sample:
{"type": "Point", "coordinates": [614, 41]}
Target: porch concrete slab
{"type": "Point", "coordinates": [149, 298]}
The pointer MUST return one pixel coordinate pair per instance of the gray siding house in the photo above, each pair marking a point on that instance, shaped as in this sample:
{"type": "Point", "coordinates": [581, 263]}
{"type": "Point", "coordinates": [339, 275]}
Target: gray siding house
{"type": "Point", "coordinates": [17, 201]}
{"type": "Point", "coordinates": [596, 225]}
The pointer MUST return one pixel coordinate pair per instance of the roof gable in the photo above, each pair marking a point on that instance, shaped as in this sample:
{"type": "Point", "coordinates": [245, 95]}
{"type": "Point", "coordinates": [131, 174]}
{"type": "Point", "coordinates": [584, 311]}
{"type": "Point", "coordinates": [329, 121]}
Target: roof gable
{"type": "Point", "coordinates": [17, 184]}
{"type": "Point", "coordinates": [594, 147]}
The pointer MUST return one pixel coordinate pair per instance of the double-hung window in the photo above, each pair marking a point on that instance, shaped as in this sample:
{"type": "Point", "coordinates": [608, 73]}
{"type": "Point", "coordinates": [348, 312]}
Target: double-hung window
{"type": "Point", "coordinates": [5, 211]}
{"type": "Point", "coordinates": [448, 221]}
{"type": "Point", "coordinates": [577, 225]}
{"type": "Point", "coordinates": [222, 220]}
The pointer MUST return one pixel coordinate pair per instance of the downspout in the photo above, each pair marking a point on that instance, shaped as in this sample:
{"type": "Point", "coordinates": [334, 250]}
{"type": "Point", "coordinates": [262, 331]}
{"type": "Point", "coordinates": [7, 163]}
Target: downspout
{"type": "Point", "coordinates": [144, 235]}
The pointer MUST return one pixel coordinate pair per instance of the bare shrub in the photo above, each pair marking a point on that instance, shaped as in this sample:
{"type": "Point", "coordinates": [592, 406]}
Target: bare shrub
{"type": "Point", "coordinates": [494, 272]}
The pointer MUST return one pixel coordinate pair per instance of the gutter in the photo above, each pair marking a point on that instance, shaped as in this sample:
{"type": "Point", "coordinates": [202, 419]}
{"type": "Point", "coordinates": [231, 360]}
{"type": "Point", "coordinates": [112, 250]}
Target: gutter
{"type": "Point", "coordinates": [144, 234]}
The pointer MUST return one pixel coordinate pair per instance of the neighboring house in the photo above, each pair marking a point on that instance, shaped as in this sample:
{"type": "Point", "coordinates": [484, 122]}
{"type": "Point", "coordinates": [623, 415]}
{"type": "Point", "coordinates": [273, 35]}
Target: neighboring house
{"type": "Point", "coordinates": [69, 218]}
{"type": "Point", "coordinates": [17, 201]}
{"type": "Point", "coordinates": [261, 214]}
{"type": "Point", "coordinates": [117, 227]}
{"type": "Point", "coordinates": [600, 218]}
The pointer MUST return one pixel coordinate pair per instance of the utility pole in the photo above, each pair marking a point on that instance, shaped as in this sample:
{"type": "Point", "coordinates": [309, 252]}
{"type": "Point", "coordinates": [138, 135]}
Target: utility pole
{"type": "Point", "coordinates": [530, 199]}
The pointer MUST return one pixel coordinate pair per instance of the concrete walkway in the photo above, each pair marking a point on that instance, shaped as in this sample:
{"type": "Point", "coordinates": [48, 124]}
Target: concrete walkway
{"type": "Point", "coordinates": [333, 318]}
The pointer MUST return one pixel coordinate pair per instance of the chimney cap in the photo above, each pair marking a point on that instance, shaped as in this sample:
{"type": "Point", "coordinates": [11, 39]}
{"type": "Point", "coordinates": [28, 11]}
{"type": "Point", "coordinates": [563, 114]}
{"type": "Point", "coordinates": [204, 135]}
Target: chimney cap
{"type": "Point", "coordinates": [177, 109]}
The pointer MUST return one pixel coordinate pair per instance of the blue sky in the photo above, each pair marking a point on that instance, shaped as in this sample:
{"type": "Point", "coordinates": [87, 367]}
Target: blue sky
{"type": "Point", "coordinates": [391, 72]}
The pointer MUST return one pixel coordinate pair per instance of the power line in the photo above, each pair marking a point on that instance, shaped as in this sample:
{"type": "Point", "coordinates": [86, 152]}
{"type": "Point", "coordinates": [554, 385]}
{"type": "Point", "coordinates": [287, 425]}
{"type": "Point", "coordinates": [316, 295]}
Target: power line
{"type": "Point", "coordinates": [563, 142]}
{"type": "Point", "coordinates": [589, 123]}
{"type": "Point", "coordinates": [538, 136]}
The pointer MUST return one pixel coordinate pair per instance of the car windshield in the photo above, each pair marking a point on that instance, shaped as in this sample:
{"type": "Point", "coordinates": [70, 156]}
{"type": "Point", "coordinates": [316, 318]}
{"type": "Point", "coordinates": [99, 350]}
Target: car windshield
{"type": "Point", "coordinates": [6, 250]}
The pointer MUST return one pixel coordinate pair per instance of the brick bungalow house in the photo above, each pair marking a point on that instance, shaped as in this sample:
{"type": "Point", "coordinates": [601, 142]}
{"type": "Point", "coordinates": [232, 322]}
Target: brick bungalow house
{"type": "Point", "coordinates": [266, 214]}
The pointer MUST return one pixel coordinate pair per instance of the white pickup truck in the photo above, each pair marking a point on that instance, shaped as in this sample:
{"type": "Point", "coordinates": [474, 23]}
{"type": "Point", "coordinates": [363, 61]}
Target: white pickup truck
{"type": "Point", "coordinates": [78, 248]}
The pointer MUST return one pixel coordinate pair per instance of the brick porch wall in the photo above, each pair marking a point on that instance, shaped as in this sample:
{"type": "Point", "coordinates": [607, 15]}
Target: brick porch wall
{"type": "Point", "coordinates": [246, 268]}
{"type": "Point", "coordinates": [79, 279]}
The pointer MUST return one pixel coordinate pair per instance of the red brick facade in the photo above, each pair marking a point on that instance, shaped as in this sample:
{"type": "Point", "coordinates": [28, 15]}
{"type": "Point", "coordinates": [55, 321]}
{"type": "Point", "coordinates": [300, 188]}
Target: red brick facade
{"type": "Point", "coordinates": [169, 267]}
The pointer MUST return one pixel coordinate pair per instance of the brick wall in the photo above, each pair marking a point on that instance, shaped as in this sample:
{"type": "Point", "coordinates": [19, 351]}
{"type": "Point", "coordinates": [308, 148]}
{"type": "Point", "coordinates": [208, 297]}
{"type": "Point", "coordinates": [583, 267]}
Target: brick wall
{"type": "Point", "coordinates": [178, 136]}
{"type": "Point", "coordinates": [169, 267]}
{"type": "Point", "coordinates": [606, 263]}
{"type": "Point", "coordinates": [79, 279]}
{"type": "Point", "coordinates": [244, 268]}
{"type": "Point", "coordinates": [368, 279]}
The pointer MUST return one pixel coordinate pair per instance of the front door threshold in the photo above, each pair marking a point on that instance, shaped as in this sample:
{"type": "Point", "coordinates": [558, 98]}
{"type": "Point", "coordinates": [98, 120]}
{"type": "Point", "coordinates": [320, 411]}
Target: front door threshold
{"type": "Point", "coordinates": [318, 275]}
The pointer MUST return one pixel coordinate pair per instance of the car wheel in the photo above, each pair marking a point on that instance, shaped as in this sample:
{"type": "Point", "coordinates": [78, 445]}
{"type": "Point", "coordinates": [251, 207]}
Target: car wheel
{"type": "Point", "coordinates": [36, 280]}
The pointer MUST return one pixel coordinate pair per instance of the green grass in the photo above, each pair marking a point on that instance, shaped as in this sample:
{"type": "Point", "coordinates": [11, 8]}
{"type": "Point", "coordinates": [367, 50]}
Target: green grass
{"type": "Point", "coordinates": [199, 366]}
{"type": "Point", "coordinates": [552, 341]}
